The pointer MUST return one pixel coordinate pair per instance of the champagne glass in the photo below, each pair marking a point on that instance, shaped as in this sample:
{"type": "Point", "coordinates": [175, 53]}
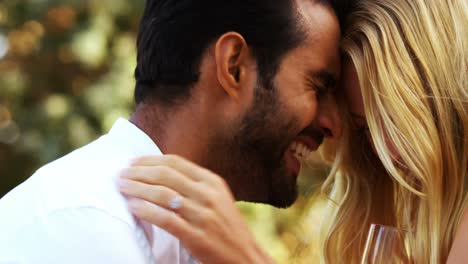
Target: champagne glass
{"type": "Point", "coordinates": [387, 244]}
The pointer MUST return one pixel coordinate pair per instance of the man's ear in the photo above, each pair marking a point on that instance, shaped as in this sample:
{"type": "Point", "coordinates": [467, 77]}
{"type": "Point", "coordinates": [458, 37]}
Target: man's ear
{"type": "Point", "coordinates": [234, 64]}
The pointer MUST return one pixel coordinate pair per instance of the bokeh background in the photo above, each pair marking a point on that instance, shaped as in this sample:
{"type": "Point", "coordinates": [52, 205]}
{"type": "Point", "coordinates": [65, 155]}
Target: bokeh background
{"type": "Point", "coordinates": [66, 74]}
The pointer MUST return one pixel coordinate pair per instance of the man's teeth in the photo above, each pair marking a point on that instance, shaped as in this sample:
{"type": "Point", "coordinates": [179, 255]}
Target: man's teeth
{"type": "Point", "coordinates": [300, 150]}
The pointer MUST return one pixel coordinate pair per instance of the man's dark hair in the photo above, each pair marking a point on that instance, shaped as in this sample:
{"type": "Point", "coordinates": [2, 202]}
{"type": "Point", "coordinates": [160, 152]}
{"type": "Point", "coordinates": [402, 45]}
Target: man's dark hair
{"type": "Point", "coordinates": [343, 9]}
{"type": "Point", "coordinates": [174, 34]}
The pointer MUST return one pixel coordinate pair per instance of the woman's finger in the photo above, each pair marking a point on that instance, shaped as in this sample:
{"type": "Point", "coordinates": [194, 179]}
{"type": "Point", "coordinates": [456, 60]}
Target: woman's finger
{"type": "Point", "coordinates": [162, 197]}
{"type": "Point", "coordinates": [176, 162]}
{"type": "Point", "coordinates": [148, 192]}
{"type": "Point", "coordinates": [162, 218]}
{"type": "Point", "coordinates": [206, 188]}
{"type": "Point", "coordinates": [164, 176]}
{"type": "Point", "coordinates": [180, 164]}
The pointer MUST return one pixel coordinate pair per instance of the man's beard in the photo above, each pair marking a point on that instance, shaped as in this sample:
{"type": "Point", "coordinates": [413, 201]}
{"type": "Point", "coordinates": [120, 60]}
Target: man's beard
{"type": "Point", "coordinates": [250, 155]}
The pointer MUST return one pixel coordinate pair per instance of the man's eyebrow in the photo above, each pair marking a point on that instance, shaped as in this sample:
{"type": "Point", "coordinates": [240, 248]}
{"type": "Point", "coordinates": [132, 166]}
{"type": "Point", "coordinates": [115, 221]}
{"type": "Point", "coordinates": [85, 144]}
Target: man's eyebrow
{"type": "Point", "coordinates": [326, 78]}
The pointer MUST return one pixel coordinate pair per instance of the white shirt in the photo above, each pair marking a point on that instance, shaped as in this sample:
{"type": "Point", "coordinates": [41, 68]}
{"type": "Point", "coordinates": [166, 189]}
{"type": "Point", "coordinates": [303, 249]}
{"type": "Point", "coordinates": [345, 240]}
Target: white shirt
{"type": "Point", "coordinates": [70, 211]}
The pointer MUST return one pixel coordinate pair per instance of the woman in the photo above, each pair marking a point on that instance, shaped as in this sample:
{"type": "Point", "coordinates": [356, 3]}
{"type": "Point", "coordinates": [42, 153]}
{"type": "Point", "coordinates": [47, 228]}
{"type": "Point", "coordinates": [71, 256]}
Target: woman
{"type": "Point", "coordinates": [402, 160]}
{"type": "Point", "coordinates": [406, 79]}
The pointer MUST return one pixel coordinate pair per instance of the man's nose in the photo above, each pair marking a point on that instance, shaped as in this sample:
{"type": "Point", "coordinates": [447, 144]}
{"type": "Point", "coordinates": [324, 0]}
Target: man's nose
{"type": "Point", "coordinates": [328, 118]}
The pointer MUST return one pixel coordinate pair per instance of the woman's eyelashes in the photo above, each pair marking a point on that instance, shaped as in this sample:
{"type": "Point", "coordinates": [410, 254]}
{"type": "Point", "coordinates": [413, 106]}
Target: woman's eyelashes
{"type": "Point", "coordinates": [364, 130]}
{"type": "Point", "coordinates": [360, 124]}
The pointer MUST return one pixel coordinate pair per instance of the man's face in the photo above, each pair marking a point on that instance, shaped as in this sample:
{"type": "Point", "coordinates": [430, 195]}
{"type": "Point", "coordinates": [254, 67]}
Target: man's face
{"type": "Point", "coordinates": [260, 155]}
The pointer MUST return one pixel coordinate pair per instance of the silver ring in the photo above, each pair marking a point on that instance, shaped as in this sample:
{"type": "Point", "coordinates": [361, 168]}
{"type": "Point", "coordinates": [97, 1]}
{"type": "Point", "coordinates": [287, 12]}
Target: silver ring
{"type": "Point", "coordinates": [175, 203]}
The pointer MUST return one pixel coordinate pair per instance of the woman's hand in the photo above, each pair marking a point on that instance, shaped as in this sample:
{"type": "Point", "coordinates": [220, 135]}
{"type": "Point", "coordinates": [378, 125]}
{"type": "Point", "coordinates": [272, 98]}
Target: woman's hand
{"type": "Point", "coordinates": [200, 208]}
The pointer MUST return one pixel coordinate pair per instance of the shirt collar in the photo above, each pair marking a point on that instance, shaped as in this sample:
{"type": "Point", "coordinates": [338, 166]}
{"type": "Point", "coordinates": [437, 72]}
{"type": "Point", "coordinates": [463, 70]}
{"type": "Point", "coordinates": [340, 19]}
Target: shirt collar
{"type": "Point", "coordinates": [133, 138]}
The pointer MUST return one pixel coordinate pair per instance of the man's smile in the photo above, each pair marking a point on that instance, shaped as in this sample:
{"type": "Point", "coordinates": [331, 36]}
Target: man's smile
{"type": "Point", "coordinates": [298, 151]}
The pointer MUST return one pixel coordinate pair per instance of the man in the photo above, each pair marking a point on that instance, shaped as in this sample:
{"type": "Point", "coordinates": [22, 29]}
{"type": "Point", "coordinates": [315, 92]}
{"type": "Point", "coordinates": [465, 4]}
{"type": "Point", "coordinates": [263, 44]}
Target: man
{"type": "Point", "coordinates": [243, 88]}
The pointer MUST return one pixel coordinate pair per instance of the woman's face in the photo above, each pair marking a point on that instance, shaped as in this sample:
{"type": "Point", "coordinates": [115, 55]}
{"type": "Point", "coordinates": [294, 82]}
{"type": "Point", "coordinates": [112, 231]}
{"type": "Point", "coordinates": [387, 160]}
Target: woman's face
{"type": "Point", "coordinates": [350, 84]}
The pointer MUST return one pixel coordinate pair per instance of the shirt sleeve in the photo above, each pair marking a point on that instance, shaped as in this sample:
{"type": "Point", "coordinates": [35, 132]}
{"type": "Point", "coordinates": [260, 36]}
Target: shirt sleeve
{"type": "Point", "coordinates": [81, 235]}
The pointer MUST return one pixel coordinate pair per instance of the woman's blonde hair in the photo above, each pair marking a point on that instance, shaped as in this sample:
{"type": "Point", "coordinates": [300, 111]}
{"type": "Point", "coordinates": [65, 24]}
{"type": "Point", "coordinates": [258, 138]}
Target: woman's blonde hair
{"type": "Point", "coordinates": [411, 58]}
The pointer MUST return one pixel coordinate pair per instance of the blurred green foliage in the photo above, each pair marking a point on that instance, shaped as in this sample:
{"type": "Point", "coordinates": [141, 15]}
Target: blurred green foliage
{"type": "Point", "coordinates": [66, 74]}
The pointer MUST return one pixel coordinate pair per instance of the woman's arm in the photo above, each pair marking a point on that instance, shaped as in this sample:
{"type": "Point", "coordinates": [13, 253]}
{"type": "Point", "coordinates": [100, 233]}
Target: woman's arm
{"type": "Point", "coordinates": [199, 209]}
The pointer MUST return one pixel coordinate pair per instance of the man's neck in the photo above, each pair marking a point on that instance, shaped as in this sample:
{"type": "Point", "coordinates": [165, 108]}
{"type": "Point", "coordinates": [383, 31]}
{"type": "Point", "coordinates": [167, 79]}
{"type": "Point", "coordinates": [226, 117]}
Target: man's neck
{"type": "Point", "coordinates": [179, 132]}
